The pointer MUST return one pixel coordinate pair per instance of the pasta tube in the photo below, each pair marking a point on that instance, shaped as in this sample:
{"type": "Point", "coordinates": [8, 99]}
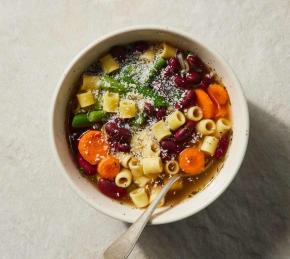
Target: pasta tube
{"type": "Point", "coordinates": [175, 120]}
{"type": "Point", "coordinates": [139, 197]}
{"type": "Point", "coordinates": [171, 167]}
{"type": "Point", "coordinates": [160, 130]}
{"type": "Point", "coordinates": [151, 149]}
{"type": "Point", "coordinates": [152, 165]}
{"type": "Point", "coordinates": [135, 167]}
{"type": "Point", "coordinates": [209, 145]}
{"type": "Point", "coordinates": [123, 178]}
{"type": "Point", "coordinates": [223, 125]}
{"type": "Point", "coordinates": [141, 181]}
{"type": "Point", "coordinates": [206, 127]}
{"type": "Point", "coordinates": [194, 113]}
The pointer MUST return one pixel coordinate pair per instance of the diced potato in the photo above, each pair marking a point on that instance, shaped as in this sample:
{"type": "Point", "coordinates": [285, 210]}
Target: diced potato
{"type": "Point", "coordinates": [109, 64]}
{"type": "Point", "coordinates": [127, 109]}
{"type": "Point", "coordinates": [148, 55]}
{"type": "Point", "coordinates": [110, 102]}
{"type": "Point", "coordinates": [168, 51]}
{"type": "Point", "coordinates": [90, 82]}
{"type": "Point", "coordinates": [160, 130]}
{"type": "Point", "coordinates": [86, 99]}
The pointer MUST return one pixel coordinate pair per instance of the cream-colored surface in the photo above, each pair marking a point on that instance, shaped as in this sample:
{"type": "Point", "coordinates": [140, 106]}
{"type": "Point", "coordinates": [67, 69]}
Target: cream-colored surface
{"type": "Point", "coordinates": [40, 215]}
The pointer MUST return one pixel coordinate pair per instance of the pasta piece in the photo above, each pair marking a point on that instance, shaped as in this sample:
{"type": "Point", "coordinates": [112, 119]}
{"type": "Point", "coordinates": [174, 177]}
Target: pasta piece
{"type": "Point", "coordinates": [123, 178]}
{"type": "Point", "coordinates": [90, 82]}
{"type": "Point", "coordinates": [175, 120]}
{"type": "Point", "coordinates": [168, 51]}
{"type": "Point", "coordinates": [135, 167]}
{"type": "Point", "coordinates": [152, 165]}
{"type": "Point", "coordinates": [209, 145]}
{"type": "Point", "coordinates": [148, 54]}
{"type": "Point", "coordinates": [206, 127]}
{"type": "Point", "coordinates": [139, 197]}
{"type": "Point", "coordinates": [153, 194]}
{"type": "Point", "coordinates": [151, 149]}
{"type": "Point", "coordinates": [86, 99]}
{"type": "Point", "coordinates": [141, 181]}
{"type": "Point", "coordinates": [171, 167]}
{"type": "Point", "coordinates": [223, 125]}
{"type": "Point", "coordinates": [124, 159]}
{"type": "Point", "coordinates": [127, 109]}
{"type": "Point", "coordinates": [110, 102]}
{"type": "Point", "coordinates": [109, 64]}
{"type": "Point", "coordinates": [160, 130]}
{"type": "Point", "coordinates": [194, 113]}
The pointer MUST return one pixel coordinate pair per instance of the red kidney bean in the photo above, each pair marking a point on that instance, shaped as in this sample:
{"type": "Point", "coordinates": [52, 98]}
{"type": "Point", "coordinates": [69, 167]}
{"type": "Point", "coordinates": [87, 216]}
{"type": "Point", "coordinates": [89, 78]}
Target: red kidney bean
{"type": "Point", "coordinates": [86, 166]}
{"type": "Point", "coordinates": [222, 147]}
{"type": "Point", "coordinates": [111, 189]}
{"type": "Point", "coordinates": [166, 156]}
{"type": "Point", "coordinates": [195, 63]}
{"type": "Point", "coordinates": [149, 110]}
{"type": "Point", "coordinates": [188, 100]}
{"type": "Point", "coordinates": [119, 53]}
{"type": "Point", "coordinates": [205, 82]}
{"type": "Point", "coordinates": [111, 128]}
{"type": "Point", "coordinates": [124, 135]}
{"type": "Point", "coordinates": [168, 145]}
{"type": "Point", "coordinates": [161, 113]}
{"type": "Point", "coordinates": [190, 125]}
{"type": "Point", "coordinates": [181, 82]}
{"type": "Point", "coordinates": [182, 134]}
{"type": "Point", "coordinates": [193, 77]}
{"type": "Point", "coordinates": [122, 147]}
{"type": "Point", "coordinates": [140, 46]}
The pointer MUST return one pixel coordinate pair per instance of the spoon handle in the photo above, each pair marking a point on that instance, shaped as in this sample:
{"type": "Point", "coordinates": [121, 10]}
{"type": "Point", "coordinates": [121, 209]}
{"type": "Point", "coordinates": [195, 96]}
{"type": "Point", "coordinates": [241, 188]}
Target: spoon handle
{"type": "Point", "coordinates": [123, 246]}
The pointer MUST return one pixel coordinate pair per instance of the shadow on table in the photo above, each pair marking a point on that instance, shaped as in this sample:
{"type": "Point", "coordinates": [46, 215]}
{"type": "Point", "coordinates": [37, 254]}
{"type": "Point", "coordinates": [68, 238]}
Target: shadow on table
{"type": "Point", "coordinates": [251, 219]}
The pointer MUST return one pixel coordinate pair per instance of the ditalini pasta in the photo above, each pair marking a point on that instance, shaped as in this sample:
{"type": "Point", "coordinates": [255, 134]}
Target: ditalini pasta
{"type": "Point", "coordinates": [152, 165]}
{"type": "Point", "coordinates": [175, 120]}
{"type": "Point", "coordinates": [110, 102]}
{"type": "Point", "coordinates": [146, 111]}
{"type": "Point", "coordinates": [206, 127]}
{"type": "Point", "coordinates": [223, 125]}
{"type": "Point", "coordinates": [124, 178]}
{"type": "Point", "coordinates": [194, 113]}
{"type": "Point", "coordinates": [160, 130]}
{"type": "Point", "coordinates": [171, 167]}
{"type": "Point", "coordinates": [127, 109]}
{"type": "Point", "coordinates": [139, 197]}
{"type": "Point", "coordinates": [209, 145]}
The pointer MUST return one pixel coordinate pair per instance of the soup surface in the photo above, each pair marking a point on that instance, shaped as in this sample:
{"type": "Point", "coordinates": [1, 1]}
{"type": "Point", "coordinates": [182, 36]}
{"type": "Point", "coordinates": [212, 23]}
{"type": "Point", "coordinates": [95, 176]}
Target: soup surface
{"type": "Point", "coordinates": [144, 112]}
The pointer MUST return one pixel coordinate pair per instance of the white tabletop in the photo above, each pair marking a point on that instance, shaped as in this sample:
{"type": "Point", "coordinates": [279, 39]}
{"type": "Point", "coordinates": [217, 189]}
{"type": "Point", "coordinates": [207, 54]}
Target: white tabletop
{"type": "Point", "coordinates": [41, 217]}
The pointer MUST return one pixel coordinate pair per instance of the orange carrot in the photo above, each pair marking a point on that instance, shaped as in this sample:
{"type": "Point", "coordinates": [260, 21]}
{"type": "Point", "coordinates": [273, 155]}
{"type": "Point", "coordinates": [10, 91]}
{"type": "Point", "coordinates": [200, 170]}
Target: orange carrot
{"type": "Point", "coordinates": [191, 160]}
{"type": "Point", "coordinates": [205, 103]}
{"type": "Point", "coordinates": [222, 111]}
{"type": "Point", "coordinates": [109, 167]}
{"type": "Point", "coordinates": [218, 93]}
{"type": "Point", "coordinates": [92, 146]}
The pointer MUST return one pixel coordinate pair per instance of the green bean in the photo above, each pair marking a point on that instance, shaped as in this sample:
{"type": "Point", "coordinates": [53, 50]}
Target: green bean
{"type": "Point", "coordinates": [158, 65]}
{"type": "Point", "coordinates": [95, 116]}
{"type": "Point", "coordinates": [110, 84]}
{"type": "Point", "coordinates": [80, 121]}
{"type": "Point", "coordinates": [139, 120]}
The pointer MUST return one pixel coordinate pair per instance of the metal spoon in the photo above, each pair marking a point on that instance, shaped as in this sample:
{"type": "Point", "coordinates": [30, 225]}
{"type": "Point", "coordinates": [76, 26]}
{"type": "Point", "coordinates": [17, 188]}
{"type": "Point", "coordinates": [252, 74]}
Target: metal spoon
{"type": "Point", "coordinates": [123, 245]}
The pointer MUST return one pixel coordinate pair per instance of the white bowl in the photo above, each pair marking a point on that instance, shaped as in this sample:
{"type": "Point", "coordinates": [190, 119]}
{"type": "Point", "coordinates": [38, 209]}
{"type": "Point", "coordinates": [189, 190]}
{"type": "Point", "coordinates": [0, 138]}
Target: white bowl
{"type": "Point", "coordinates": [89, 192]}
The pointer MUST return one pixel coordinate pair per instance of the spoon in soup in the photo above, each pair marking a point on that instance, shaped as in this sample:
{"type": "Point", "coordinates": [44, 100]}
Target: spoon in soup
{"type": "Point", "coordinates": [123, 245]}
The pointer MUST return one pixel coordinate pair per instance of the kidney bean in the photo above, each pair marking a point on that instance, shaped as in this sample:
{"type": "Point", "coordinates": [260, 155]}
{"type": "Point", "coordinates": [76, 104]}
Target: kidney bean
{"type": "Point", "coordinates": [222, 147]}
{"type": "Point", "coordinates": [140, 46]}
{"type": "Point", "coordinates": [181, 82]}
{"type": "Point", "coordinates": [188, 100]}
{"type": "Point", "coordinates": [119, 53]}
{"type": "Point", "coordinates": [166, 156]}
{"type": "Point", "coordinates": [111, 128]}
{"type": "Point", "coordinates": [124, 135]}
{"type": "Point", "coordinates": [111, 189]}
{"type": "Point", "coordinates": [122, 147]}
{"type": "Point", "coordinates": [149, 109]}
{"type": "Point", "coordinates": [190, 125]}
{"type": "Point", "coordinates": [169, 145]}
{"type": "Point", "coordinates": [195, 63]}
{"type": "Point", "coordinates": [205, 82]}
{"type": "Point", "coordinates": [182, 134]}
{"type": "Point", "coordinates": [86, 166]}
{"type": "Point", "coordinates": [161, 113]}
{"type": "Point", "coordinates": [193, 77]}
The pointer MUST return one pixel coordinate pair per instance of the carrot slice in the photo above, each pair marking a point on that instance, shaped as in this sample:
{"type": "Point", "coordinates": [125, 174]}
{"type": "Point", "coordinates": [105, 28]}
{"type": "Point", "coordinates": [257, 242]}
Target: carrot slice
{"type": "Point", "coordinates": [218, 93]}
{"type": "Point", "coordinates": [205, 103]}
{"type": "Point", "coordinates": [109, 167]}
{"type": "Point", "coordinates": [222, 112]}
{"type": "Point", "coordinates": [191, 160]}
{"type": "Point", "coordinates": [92, 146]}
